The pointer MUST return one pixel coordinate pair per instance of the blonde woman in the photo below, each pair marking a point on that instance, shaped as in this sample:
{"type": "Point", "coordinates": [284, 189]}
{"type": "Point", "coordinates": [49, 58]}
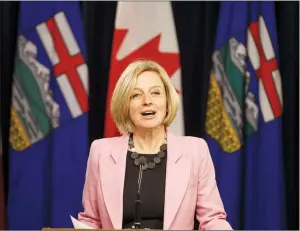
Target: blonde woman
{"type": "Point", "coordinates": [178, 178]}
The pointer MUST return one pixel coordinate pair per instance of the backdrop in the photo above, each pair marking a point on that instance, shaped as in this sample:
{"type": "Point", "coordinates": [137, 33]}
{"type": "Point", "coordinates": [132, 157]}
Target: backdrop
{"type": "Point", "coordinates": [196, 27]}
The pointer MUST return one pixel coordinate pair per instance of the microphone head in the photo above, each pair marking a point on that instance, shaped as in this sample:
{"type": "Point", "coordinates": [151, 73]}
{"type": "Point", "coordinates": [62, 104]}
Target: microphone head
{"type": "Point", "coordinates": [142, 160]}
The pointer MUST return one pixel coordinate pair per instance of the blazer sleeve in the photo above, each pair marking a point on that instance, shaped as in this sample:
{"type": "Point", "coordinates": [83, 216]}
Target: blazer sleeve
{"type": "Point", "coordinates": [90, 216]}
{"type": "Point", "coordinates": [209, 208]}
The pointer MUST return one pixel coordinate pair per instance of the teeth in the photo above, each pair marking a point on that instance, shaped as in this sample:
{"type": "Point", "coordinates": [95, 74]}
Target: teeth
{"type": "Point", "coordinates": [148, 113]}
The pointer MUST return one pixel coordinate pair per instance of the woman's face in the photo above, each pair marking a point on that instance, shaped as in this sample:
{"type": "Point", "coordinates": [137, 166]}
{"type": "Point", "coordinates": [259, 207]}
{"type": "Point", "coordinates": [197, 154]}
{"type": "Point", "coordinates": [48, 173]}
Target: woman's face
{"type": "Point", "coordinates": [148, 101]}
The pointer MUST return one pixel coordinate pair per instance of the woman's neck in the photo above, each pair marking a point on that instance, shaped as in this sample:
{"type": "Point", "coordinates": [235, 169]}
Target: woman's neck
{"type": "Point", "coordinates": [148, 142]}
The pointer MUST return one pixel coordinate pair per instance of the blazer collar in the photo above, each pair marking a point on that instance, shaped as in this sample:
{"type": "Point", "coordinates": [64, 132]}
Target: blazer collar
{"type": "Point", "coordinates": [173, 153]}
{"type": "Point", "coordinates": [119, 149]}
{"type": "Point", "coordinates": [177, 177]}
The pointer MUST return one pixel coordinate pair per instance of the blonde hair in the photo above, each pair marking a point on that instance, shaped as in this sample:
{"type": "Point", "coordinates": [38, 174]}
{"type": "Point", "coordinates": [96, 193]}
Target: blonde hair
{"type": "Point", "coordinates": [119, 106]}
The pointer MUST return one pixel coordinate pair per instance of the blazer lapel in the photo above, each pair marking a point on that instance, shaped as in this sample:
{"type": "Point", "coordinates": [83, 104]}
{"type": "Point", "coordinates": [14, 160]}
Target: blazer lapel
{"type": "Point", "coordinates": [177, 177]}
{"type": "Point", "coordinates": [112, 178]}
{"type": "Point", "coordinates": [112, 174]}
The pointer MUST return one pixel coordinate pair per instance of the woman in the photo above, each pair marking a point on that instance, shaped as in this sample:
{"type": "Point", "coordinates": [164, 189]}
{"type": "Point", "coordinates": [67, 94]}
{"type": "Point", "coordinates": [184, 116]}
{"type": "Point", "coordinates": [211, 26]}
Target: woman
{"type": "Point", "coordinates": [178, 179]}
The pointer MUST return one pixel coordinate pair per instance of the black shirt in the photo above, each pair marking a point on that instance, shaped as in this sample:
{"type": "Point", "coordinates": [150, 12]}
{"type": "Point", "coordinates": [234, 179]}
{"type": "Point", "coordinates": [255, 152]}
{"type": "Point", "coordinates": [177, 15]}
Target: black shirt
{"type": "Point", "coordinates": [152, 193]}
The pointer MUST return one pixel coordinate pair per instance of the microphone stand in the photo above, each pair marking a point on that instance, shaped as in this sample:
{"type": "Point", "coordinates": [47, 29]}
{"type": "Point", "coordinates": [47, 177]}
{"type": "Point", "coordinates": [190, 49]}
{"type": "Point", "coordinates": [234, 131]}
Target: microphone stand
{"type": "Point", "coordinates": [138, 203]}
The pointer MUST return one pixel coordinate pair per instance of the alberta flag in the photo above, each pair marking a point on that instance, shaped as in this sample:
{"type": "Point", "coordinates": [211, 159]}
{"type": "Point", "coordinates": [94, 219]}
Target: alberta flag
{"type": "Point", "coordinates": [49, 120]}
{"type": "Point", "coordinates": [244, 114]}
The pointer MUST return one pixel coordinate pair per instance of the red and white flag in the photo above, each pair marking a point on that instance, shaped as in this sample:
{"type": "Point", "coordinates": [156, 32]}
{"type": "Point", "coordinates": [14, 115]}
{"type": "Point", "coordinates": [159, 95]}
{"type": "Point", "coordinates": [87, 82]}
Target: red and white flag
{"type": "Point", "coordinates": [69, 66]}
{"type": "Point", "coordinates": [263, 59]}
{"type": "Point", "coordinates": [145, 30]}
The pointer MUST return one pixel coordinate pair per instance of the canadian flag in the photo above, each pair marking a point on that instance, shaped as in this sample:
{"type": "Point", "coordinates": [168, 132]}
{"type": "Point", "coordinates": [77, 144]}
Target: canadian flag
{"type": "Point", "coordinates": [145, 30]}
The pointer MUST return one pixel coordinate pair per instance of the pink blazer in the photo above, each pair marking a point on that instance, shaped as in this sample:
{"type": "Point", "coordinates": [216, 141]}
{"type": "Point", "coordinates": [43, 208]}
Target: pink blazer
{"type": "Point", "coordinates": [190, 185]}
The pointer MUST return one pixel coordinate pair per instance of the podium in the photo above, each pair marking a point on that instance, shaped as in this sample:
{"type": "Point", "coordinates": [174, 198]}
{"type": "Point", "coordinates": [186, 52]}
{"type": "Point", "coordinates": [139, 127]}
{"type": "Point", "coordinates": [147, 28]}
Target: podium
{"type": "Point", "coordinates": [81, 226]}
{"type": "Point", "coordinates": [62, 229]}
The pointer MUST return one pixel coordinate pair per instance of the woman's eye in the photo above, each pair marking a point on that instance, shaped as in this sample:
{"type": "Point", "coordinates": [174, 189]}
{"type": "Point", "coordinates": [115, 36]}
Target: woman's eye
{"type": "Point", "coordinates": [136, 95]}
{"type": "Point", "coordinates": [156, 93]}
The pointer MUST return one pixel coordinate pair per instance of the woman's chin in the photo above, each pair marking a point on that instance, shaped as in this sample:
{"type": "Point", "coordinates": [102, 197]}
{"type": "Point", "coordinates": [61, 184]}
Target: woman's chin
{"type": "Point", "coordinates": [150, 126]}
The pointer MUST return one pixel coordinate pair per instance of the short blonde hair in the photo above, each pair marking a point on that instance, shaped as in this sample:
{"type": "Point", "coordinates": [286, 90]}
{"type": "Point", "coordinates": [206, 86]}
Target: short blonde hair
{"type": "Point", "coordinates": [119, 106]}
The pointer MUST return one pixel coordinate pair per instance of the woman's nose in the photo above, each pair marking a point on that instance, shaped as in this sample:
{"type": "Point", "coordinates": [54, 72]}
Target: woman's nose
{"type": "Point", "coordinates": [147, 99]}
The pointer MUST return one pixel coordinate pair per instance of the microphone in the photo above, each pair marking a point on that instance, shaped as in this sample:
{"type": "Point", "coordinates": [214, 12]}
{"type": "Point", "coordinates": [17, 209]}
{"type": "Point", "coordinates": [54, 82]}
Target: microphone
{"type": "Point", "coordinates": [138, 202]}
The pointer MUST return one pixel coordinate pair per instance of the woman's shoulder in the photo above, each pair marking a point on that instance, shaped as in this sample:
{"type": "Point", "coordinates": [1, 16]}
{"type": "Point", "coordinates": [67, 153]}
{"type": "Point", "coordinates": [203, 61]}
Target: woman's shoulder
{"type": "Point", "coordinates": [106, 142]}
{"type": "Point", "coordinates": [103, 142]}
{"type": "Point", "coordinates": [104, 145]}
{"type": "Point", "coordinates": [193, 141]}
{"type": "Point", "coordinates": [195, 147]}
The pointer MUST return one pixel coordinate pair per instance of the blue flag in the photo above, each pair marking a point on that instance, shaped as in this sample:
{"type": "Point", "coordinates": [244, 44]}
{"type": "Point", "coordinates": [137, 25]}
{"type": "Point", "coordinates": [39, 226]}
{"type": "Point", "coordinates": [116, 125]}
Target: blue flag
{"type": "Point", "coordinates": [49, 120]}
{"type": "Point", "coordinates": [244, 116]}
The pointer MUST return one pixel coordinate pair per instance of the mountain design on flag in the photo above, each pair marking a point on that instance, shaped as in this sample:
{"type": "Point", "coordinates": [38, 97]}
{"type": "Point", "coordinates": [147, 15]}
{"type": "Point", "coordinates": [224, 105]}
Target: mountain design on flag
{"type": "Point", "coordinates": [34, 112]}
{"type": "Point", "coordinates": [229, 76]}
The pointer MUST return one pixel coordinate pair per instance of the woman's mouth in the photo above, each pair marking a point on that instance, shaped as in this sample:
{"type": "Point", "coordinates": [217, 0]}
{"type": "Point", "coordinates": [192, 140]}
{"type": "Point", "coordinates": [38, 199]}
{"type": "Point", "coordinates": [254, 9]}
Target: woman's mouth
{"type": "Point", "coordinates": [148, 113]}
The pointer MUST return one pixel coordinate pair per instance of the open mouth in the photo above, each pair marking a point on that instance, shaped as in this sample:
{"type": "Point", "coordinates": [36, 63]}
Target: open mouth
{"type": "Point", "coordinates": [148, 113]}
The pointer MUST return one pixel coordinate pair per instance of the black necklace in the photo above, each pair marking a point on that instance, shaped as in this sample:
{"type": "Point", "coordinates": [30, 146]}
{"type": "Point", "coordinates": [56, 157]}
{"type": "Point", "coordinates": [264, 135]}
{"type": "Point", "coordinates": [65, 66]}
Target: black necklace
{"type": "Point", "coordinates": [141, 159]}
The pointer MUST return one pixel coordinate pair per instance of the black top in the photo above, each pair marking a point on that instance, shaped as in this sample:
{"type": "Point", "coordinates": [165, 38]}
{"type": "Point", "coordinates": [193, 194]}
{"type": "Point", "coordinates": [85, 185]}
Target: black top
{"type": "Point", "coordinates": [152, 193]}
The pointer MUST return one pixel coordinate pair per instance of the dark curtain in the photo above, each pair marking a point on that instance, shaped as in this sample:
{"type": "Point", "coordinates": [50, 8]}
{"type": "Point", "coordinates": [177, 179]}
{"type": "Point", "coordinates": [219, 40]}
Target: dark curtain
{"type": "Point", "coordinates": [8, 35]}
{"type": "Point", "coordinates": [196, 28]}
{"type": "Point", "coordinates": [99, 19]}
{"type": "Point", "coordinates": [287, 14]}
{"type": "Point", "coordinates": [196, 24]}
{"type": "Point", "coordinates": [8, 32]}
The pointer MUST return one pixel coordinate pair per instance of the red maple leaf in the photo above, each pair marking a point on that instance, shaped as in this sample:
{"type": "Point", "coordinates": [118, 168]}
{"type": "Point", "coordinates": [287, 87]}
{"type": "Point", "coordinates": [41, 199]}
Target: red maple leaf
{"type": "Point", "coordinates": [170, 61]}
